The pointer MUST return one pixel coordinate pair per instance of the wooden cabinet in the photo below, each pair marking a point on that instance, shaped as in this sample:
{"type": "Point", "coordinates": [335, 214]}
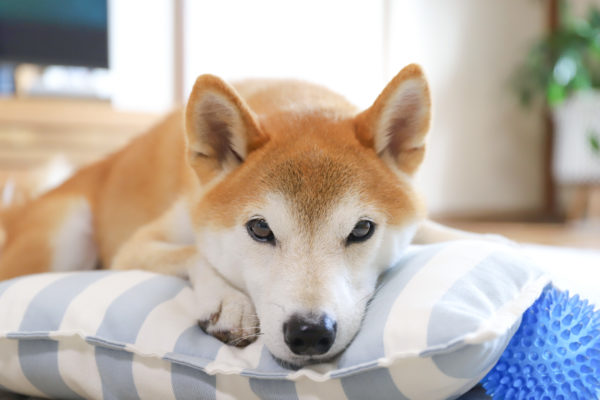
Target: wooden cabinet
{"type": "Point", "coordinates": [32, 131]}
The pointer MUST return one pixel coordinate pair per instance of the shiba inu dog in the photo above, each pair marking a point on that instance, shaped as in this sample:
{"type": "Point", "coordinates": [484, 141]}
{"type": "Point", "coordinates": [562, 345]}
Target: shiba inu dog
{"type": "Point", "coordinates": [279, 200]}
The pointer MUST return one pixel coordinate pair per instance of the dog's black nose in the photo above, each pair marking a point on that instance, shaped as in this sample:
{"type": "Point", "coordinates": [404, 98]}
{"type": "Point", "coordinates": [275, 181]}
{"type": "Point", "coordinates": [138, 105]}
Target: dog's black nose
{"type": "Point", "coordinates": [309, 335]}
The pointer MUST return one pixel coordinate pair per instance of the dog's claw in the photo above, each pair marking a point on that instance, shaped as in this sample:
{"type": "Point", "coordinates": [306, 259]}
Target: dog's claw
{"type": "Point", "coordinates": [214, 317]}
{"type": "Point", "coordinates": [235, 323]}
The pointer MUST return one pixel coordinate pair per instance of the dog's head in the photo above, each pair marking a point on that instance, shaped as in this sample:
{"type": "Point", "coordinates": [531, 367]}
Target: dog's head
{"type": "Point", "coordinates": [304, 209]}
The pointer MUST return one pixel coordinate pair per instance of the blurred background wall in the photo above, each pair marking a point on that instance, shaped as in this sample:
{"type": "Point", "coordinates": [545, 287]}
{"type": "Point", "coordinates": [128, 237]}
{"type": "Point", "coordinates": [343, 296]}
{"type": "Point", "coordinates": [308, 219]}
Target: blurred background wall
{"type": "Point", "coordinates": [485, 152]}
{"type": "Point", "coordinates": [487, 157]}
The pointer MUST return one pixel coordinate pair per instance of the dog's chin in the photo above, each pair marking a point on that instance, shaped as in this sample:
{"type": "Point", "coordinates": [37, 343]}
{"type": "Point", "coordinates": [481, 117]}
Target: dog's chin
{"type": "Point", "coordinates": [298, 362]}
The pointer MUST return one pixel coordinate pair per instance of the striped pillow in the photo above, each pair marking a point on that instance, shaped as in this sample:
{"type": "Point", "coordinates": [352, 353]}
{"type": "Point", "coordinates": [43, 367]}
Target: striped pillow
{"type": "Point", "coordinates": [438, 323]}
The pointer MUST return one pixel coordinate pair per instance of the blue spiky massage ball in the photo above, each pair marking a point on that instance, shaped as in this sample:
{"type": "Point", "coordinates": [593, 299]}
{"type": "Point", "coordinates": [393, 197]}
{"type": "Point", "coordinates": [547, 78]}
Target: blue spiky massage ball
{"type": "Point", "coordinates": [554, 355]}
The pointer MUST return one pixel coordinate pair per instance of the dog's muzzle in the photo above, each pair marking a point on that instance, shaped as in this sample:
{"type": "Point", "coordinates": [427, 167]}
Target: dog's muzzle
{"type": "Point", "coordinates": [309, 335]}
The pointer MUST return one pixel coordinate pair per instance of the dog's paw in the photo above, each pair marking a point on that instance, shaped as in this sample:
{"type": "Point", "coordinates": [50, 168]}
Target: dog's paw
{"type": "Point", "coordinates": [231, 318]}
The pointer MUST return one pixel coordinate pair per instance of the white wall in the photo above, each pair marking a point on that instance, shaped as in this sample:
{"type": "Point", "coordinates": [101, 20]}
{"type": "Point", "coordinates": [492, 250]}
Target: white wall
{"type": "Point", "coordinates": [141, 62]}
{"type": "Point", "coordinates": [485, 152]}
{"type": "Point", "coordinates": [337, 43]}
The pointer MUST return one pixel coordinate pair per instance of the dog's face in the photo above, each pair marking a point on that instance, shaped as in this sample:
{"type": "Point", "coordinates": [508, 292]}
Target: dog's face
{"type": "Point", "coordinates": [304, 211]}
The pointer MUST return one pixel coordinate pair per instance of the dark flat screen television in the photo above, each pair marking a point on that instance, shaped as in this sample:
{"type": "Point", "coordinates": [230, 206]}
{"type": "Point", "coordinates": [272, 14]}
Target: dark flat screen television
{"type": "Point", "coordinates": [61, 32]}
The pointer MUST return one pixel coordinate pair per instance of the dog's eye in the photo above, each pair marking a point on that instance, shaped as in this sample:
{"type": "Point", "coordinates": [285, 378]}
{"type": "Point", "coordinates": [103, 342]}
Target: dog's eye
{"type": "Point", "coordinates": [362, 231]}
{"type": "Point", "coordinates": [259, 230]}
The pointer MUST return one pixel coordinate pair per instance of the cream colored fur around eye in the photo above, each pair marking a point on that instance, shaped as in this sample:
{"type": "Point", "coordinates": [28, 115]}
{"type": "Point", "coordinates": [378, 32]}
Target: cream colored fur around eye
{"type": "Point", "coordinates": [310, 269]}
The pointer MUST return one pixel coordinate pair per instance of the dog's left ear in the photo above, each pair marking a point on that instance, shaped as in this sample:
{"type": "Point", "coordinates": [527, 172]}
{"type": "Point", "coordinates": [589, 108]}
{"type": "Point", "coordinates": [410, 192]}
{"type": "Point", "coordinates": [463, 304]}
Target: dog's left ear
{"type": "Point", "coordinates": [218, 123]}
{"type": "Point", "coordinates": [396, 124]}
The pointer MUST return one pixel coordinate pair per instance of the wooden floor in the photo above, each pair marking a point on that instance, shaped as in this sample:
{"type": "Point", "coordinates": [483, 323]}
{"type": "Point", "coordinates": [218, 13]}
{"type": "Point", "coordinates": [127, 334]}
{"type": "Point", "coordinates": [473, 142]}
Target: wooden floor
{"type": "Point", "coordinates": [579, 235]}
{"type": "Point", "coordinates": [33, 131]}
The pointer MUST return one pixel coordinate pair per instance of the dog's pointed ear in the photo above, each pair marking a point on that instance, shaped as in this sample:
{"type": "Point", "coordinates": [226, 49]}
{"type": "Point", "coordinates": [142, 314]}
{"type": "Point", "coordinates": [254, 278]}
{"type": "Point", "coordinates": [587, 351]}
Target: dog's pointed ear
{"type": "Point", "coordinates": [218, 123]}
{"type": "Point", "coordinates": [396, 124]}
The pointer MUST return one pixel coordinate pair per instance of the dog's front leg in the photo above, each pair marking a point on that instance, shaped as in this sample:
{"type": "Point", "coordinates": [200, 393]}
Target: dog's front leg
{"type": "Point", "coordinates": [148, 253]}
{"type": "Point", "coordinates": [223, 311]}
{"type": "Point", "coordinates": [167, 246]}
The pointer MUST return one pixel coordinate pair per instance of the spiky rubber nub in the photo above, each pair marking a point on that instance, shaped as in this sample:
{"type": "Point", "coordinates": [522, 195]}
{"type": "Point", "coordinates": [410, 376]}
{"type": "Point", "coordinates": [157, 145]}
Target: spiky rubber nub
{"type": "Point", "coordinates": [554, 355]}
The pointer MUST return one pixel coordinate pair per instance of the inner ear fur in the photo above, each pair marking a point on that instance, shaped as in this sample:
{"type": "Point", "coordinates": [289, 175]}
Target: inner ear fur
{"type": "Point", "coordinates": [218, 122]}
{"type": "Point", "coordinates": [396, 124]}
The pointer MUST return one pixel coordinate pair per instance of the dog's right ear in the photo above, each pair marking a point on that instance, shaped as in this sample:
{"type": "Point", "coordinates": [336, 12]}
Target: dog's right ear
{"type": "Point", "coordinates": [218, 123]}
{"type": "Point", "coordinates": [396, 124]}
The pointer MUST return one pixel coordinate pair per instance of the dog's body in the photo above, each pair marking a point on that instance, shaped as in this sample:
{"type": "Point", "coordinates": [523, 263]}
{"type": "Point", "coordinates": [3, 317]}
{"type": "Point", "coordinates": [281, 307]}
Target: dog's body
{"type": "Point", "coordinates": [277, 198]}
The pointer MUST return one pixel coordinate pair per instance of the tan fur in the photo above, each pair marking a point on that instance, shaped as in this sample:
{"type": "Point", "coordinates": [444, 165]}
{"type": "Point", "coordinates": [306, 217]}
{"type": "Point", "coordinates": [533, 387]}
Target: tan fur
{"type": "Point", "coordinates": [408, 150]}
{"type": "Point", "coordinates": [288, 158]}
{"type": "Point", "coordinates": [313, 170]}
{"type": "Point", "coordinates": [301, 140]}
{"type": "Point", "coordinates": [156, 162]}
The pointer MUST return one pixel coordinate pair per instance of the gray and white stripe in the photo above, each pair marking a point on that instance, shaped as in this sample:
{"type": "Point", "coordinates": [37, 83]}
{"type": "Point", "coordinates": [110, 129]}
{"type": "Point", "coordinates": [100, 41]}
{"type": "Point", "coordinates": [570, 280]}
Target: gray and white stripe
{"type": "Point", "coordinates": [439, 321]}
